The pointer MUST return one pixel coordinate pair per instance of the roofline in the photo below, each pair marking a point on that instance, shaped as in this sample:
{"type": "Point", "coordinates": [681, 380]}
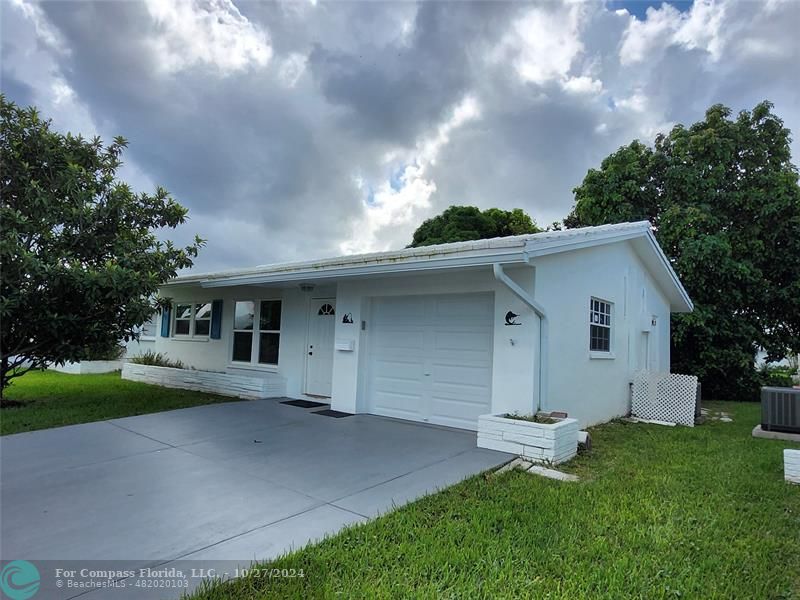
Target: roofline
{"type": "Point", "coordinates": [476, 253]}
{"type": "Point", "coordinates": [566, 245]}
{"type": "Point", "coordinates": [668, 266]}
{"type": "Point", "coordinates": [492, 246]}
{"type": "Point", "coordinates": [309, 274]}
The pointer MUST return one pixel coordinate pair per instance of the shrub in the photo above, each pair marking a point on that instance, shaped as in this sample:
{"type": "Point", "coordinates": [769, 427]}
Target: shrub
{"type": "Point", "coordinates": [113, 353]}
{"type": "Point", "coordinates": [776, 376]}
{"type": "Point", "coordinates": [156, 359]}
{"type": "Point", "coordinates": [532, 418]}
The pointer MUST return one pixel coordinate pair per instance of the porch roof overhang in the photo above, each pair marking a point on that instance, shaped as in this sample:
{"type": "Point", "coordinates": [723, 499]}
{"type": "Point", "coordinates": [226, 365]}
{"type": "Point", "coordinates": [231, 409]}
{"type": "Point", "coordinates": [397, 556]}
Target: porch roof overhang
{"type": "Point", "coordinates": [460, 255]}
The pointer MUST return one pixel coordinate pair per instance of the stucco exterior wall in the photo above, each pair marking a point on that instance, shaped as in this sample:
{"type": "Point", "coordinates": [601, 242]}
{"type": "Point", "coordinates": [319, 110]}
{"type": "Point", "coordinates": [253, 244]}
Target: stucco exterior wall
{"type": "Point", "coordinates": [137, 347]}
{"type": "Point", "coordinates": [581, 383]}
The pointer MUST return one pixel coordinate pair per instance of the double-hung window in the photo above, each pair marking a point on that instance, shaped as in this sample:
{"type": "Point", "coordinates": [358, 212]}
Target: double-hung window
{"type": "Point", "coordinates": [192, 319]}
{"type": "Point", "coordinates": [183, 319]}
{"type": "Point", "coordinates": [599, 325]}
{"type": "Point", "coordinates": [202, 319]}
{"type": "Point", "coordinates": [257, 332]}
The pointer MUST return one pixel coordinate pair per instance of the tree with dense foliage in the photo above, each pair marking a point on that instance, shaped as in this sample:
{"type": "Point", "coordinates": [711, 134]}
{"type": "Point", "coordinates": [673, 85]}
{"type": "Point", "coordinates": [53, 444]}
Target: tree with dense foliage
{"type": "Point", "coordinates": [463, 223]}
{"type": "Point", "coordinates": [724, 201]}
{"type": "Point", "coordinates": [80, 264]}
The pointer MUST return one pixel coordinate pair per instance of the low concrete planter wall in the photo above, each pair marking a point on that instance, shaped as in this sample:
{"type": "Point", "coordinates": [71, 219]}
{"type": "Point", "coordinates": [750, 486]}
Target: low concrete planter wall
{"type": "Point", "coordinates": [241, 386]}
{"type": "Point", "coordinates": [541, 442]}
{"type": "Point", "coordinates": [791, 465]}
{"type": "Point", "coordinates": [86, 367]}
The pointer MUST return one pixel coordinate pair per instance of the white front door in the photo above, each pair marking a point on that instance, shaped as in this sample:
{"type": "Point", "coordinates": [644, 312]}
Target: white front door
{"type": "Point", "coordinates": [319, 363]}
{"type": "Point", "coordinates": [430, 358]}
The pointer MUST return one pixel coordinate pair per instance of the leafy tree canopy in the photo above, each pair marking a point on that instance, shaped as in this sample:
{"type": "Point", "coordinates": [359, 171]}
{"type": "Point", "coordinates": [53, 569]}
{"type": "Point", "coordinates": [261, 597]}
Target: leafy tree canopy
{"type": "Point", "coordinates": [724, 201]}
{"type": "Point", "coordinates": [463, 223]}
{"type": "Point", "coordinates": [80, 261]}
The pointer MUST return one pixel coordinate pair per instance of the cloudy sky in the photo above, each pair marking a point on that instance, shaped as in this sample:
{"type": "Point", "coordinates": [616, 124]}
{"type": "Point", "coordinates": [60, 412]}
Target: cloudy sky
{"type": "Point", "coordinates": [306, 129]}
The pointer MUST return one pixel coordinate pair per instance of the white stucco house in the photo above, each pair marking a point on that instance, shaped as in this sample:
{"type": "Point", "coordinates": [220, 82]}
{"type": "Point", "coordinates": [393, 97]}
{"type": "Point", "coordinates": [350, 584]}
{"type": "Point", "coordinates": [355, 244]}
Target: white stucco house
{"type": "Point", "coordinates": [555, 321]}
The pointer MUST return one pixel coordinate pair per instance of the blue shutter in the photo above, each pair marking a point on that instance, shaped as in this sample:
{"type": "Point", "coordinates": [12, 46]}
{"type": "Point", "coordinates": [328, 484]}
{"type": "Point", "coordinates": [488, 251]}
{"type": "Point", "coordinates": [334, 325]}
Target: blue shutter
{"type": "Point", "coordinates": [165, 319]}
{"type": "Point", "coordinates": [216, 319]}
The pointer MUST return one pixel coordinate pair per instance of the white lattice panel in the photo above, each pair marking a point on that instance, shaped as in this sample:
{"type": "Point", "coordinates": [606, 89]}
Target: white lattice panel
{"type": "Point", "coordinates": [664, 397]}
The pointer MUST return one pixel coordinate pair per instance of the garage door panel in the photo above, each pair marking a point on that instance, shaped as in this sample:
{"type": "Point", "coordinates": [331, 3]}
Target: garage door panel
{"type": "Point", "coordinates": [398, 370]}
{"type": "Point", "coordinates": [474, 374]}
{"type": "Point", "coordinates": [464, 307]}
{"type": "Point", "coordinates": [391, 340]}
{"type": "Point", "coordinates": [430, 358]}
{"type": "Point", "coordinates": [400, 310]}
{"type": "Point", "coordinates": [456, 408]}
{"type": "Point", "coordinates": [462, 341]}
{"type": "Point", "coordinates": [396, 404]}
{"type": "Point", "coordinates": [461, 375]}
{"type": "Point", "coordinates": [455, 414]}
{"type": "Point", "coordinates": [458, 393]}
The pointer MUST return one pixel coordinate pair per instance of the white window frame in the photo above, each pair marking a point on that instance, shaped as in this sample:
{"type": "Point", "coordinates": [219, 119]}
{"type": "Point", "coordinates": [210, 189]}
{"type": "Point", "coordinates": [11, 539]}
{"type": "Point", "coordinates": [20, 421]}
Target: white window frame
{"type": "Point", "coordinates": [153, 324]}
{"type": "Point", "coordinates": [209, 318]}
{"type": "Point", "coordinates": [256, 332]}
{"type": "Point", "coordinates": [192, 321]}
{"type": "Point", "coordinates": [601, 354]}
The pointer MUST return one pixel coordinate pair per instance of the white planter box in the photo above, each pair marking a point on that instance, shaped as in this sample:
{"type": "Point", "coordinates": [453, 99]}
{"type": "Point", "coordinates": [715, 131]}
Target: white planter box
{"type": "Point", "coordinates": [791, 465]}
{"type": "Point", "coordinates": [540, 442]}
{"type": "Point", "coordinates": [86, 367]}
{"type": "Point", "coordinates": [240, 386]}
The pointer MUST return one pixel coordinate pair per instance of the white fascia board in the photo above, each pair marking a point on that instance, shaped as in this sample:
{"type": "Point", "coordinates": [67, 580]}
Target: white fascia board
{"type": "Point", "coordinates": [659, 267]}
{"type": "Point", "coordinates": [505, 255]}
{"type": "Point", "coordinates": [688, 305]}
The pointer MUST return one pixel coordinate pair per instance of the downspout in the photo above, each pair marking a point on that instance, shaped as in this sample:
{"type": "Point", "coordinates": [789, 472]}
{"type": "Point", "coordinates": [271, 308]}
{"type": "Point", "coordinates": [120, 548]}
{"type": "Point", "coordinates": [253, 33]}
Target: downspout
{"type": "Point", "coordinates": [528, 299]}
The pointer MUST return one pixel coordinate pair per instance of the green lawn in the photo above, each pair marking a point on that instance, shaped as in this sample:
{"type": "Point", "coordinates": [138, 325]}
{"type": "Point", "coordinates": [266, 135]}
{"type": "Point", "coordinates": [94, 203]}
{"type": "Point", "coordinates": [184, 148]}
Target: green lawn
{"type": "Point", "coordinates": [42, 399]}
{"type": "Point", "coordinates": [659, 513]}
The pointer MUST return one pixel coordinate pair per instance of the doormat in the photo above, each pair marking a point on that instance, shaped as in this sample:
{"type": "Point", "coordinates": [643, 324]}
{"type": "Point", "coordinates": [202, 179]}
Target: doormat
{"type": "Point", "coordinates": [336, 414]}
{"type": "Point", "coordinates": [304, 403]}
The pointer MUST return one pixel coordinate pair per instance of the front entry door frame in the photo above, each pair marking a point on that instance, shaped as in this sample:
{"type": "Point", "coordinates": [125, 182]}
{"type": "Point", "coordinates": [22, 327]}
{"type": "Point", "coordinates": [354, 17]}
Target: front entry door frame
{"type": "Point", "coordinates": [319, 346]}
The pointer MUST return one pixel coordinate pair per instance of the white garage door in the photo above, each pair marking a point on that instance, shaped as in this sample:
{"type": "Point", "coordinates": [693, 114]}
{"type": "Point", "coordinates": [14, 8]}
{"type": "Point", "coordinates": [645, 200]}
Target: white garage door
{"type": "Point", "coordinates": [430, 358]}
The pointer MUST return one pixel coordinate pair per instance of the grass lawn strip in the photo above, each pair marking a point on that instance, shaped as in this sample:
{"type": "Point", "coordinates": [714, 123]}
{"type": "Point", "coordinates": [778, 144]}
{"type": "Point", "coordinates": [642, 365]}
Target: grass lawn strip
{"type": "Point", "coordinates": [44, 399]}
{"type": "Point", "coordinates": [659, 513]}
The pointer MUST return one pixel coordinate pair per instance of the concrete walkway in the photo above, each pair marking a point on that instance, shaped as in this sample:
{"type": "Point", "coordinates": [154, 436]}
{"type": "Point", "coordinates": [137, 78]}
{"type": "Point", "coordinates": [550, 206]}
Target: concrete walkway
{"type": "Point", "coordinates": [225, 482]}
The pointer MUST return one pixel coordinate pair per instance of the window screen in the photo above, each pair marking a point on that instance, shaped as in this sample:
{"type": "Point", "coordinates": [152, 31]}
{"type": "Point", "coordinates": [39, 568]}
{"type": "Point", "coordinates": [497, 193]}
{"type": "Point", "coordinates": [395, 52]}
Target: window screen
{"type": "Point", "coordinates": [599, 325]}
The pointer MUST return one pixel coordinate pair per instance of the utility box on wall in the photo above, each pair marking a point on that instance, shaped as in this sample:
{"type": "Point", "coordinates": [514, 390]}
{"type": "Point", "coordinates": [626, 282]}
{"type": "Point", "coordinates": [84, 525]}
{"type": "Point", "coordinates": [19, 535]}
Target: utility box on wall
{"type": "Point", "coordinates": [345, 345]}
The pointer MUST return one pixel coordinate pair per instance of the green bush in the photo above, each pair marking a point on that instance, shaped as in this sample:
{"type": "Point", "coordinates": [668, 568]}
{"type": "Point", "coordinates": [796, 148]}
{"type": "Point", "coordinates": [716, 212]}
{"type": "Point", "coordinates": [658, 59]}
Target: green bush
{"type": "Point", "coordinates": [156, 359]}
{"type": "Point", "coordinates": [776, 376]}
{"type": "Point", "coordinates": [113, 353]}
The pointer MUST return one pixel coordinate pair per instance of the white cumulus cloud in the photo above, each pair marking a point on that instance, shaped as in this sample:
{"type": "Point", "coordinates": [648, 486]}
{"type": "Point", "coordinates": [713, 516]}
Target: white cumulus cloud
{"type": "Point", "coordinates": [700, 27]}
{"type": "Point", "coordinates": [392, 211]}
{"type": "Point", "coordinates": [543, 42]}
{"type": "Point", "coordinates": [213, 33]}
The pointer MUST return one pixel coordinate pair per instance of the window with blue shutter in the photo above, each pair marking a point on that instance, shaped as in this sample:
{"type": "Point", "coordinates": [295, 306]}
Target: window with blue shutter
{"type": "Point", "coordinates": [165, 322]}
{"type": "Point", "coordinates": [216, 319]}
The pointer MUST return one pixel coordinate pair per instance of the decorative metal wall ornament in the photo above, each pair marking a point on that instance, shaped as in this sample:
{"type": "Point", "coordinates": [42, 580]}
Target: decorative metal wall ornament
{"type": "Point", "coordinates": [348, 318]}
{"type": "Point", "coordinates": [511, 319]}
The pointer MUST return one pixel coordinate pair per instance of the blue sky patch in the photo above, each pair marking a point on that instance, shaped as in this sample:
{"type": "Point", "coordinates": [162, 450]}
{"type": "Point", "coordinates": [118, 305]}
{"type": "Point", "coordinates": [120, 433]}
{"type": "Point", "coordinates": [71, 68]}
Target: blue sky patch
{"type": "Point", "coordinates": [396, 179]}
{"type": "Point", "coordinates": [638, 8]}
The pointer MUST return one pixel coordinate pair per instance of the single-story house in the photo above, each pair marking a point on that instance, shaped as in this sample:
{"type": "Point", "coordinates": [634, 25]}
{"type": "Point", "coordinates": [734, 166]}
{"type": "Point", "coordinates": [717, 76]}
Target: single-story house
{"type": "Point", "coordinates": [554, 321]}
